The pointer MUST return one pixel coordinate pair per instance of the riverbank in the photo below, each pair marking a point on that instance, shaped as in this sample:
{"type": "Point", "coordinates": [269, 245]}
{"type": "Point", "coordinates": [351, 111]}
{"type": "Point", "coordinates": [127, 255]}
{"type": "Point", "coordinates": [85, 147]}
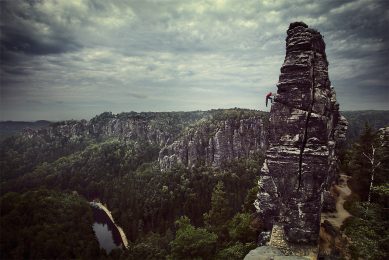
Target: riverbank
{"type": "Point", "coordinates": [121, 232]}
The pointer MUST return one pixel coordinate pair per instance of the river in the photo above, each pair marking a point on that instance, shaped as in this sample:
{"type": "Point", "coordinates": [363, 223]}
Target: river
{"type": "Point", "coordinates": [109, 235]}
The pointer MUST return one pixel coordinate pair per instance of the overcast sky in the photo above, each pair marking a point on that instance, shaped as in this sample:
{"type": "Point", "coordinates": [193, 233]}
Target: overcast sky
{"type": "Point", "coordinates": [68, 59]}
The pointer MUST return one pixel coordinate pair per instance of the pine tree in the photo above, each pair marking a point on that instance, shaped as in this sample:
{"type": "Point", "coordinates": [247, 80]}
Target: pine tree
{"type": "Point", "coordinates": [216, 219]}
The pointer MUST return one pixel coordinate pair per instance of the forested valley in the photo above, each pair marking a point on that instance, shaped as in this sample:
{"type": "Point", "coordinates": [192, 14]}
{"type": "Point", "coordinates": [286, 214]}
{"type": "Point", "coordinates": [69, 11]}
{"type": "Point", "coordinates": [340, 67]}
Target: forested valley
{"type": "Point", "coordinates": [201, 212]}
{"type": "Point", "coordinates": [210, 207]}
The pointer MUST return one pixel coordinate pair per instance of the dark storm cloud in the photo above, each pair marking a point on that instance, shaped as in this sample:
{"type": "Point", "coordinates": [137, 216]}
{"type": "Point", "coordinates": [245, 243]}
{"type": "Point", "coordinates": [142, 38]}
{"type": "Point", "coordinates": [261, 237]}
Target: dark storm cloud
{"type": "Point", "coordinates": [65, 55]}
{"type": "Point", "coordinates": [26, 29]}
{"type": "Point", "coordinates": [16, 40]}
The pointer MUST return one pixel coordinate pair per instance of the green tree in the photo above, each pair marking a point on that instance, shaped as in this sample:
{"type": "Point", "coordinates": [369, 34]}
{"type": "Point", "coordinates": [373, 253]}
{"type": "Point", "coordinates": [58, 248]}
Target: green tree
{"type": "Point", "coordinates": [235, 251]}
{"type": "Point", "coordinates": [368, 231]}
{"type": "Point", "coordinates": [45, 224]}
{"type": "Point", "coordinates": [191, 242]}
{"type": "Point", "coordinates": [248, 205]}
{"type": "Point", "coordinates": [240, 229]}
{"type": "Point", "coordinates": [216, 219]}
{"type": "Point", "coordinates": [365, 163]}
{"type": "Point", "coordinates": [382, 194]}
{"type": "Point", "coordinates": [152, 246]}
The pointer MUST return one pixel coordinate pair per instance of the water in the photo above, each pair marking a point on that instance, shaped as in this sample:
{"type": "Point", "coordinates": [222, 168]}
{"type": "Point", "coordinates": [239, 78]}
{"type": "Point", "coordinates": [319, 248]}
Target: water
{"type": "Point", "coordinates": [106, 232]}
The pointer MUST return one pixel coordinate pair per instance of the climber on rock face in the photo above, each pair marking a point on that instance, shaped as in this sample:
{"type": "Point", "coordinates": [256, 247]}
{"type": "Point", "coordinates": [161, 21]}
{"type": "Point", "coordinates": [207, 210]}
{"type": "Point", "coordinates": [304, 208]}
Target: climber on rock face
{"type": "Point", "coordinates": [269, 96]}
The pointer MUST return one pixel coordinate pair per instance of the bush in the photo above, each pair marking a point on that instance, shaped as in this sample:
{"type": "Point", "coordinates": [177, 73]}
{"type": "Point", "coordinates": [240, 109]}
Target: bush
{"type": "Point", "coordinates": [240, 228]}
{"type": "Point", "coordinates": [236, 251]}
{"type": "Point", "coordinates": [367, 230]}
{"type": "Point", "coordinates": [191, 242]}
{"type": "Point", "coordinates": [366, 240]}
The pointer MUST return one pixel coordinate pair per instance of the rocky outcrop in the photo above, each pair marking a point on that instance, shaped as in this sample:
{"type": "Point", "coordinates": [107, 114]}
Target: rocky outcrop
{"type": "Point", "coordinates": [136, 129]}
{"type": "Point", "coordinates": [329, 202]}
{"type": "Point", "coordinates": [269, 253]}
{"type": "Point", "coordinates": [131, 128]}
{"type": "Point", "coordinates": [59, 134]}
{"type": "Point", "coordinates": [188, 139]}
{"type": "Point", "coordinates": [215, 146]}
{"type": "Point", "coordinates": [305, 131]}
{"type": "Point", "coordinates": [383, 135]}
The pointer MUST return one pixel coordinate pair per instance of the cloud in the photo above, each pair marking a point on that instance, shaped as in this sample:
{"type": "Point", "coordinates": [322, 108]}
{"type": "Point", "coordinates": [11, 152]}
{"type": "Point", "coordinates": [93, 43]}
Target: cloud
{"type": "Point", "coordinates": [38, 28]}
{"type": "Point", "coordinates": [87, 56]}
{"type": "Point", "coordinates": [135, 95]}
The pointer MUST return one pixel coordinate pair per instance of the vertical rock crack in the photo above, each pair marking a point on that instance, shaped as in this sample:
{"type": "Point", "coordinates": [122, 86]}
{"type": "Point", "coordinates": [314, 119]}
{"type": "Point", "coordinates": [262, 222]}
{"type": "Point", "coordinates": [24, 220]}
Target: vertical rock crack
{"type": "Point", "coordinates": [305, 138]}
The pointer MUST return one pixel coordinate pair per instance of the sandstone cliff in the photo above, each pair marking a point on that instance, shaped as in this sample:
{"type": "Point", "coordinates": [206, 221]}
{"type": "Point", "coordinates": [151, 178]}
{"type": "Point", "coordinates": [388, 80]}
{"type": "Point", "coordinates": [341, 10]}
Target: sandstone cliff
{"type": "Point", "coordinates": [187, 139]}
{"type": "Point", "coordinates": [106, 125]}
{"type": "Point", "coordinates": [304, 132]}
{"type": "Point", "coordinates": [213, 146]}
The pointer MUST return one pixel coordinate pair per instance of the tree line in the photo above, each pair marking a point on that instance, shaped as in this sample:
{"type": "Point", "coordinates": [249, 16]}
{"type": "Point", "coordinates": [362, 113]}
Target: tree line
{"type": "Point", "coordinates": [367, 161]}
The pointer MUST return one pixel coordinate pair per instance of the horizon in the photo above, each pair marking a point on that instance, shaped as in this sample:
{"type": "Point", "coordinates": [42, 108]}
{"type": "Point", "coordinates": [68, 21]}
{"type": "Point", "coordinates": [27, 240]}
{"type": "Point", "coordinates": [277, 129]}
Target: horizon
{"type": "Point", "coordinates": [76, 59]}
{"type": "Point", "coordinates": [191, 111]}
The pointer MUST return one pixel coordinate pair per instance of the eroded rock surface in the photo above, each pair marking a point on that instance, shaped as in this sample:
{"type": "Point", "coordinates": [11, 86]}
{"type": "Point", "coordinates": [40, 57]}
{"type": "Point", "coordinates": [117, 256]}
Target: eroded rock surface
{"type": "Point", "coordinates": [305, 131]}
{"type": "Point", "coordinates": [383, 134]}
{"type": "Point", "coordinates": [130, 128]}
{"type": "Point", "coordinates": [215, 146]}
{"type": "Point", "coordinates": [186, 139]}
{"type": "Point", "coordinates": [269, 253]}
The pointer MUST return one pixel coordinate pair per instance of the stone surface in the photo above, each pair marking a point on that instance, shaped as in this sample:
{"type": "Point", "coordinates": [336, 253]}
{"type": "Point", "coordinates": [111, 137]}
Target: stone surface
{"type": "Point", "coordinates": [383, 134]}
{"type": "Point", "coordinates": [329, 228]}
{"type": "Point", "coordinates": [329, 202]}
{"type": "Point", "coordinates": [305, 132]}
{"type": "Point", "coordinates": [137, 130]}
{"type": "Point", "coordinates": [279, 241]}
{"type": "Point", "coordinates": [186, 139]}
{"type": "Point", "coordinates": [269, 253]}
{"type": "Point", "coordinates": [215, 146]}
{"type": "Point", "coordinates": [264, 251]}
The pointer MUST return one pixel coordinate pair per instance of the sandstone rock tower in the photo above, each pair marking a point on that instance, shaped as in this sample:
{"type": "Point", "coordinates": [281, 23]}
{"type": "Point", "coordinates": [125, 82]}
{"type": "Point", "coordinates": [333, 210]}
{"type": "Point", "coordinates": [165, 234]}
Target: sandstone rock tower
{"type": "Point", "coordinates": [305, 130]}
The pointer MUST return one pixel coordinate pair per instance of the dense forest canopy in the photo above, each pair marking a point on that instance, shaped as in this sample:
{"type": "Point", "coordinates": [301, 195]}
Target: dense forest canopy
{"type": "Point", "coordinates": [46, 224]}
{"type": "Point", "coordinates": [123, 173]}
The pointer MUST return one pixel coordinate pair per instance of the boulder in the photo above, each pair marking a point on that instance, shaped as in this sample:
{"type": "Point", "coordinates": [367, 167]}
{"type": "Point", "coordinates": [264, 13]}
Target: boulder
{"type": "Point", "coordinates": [269, 253]}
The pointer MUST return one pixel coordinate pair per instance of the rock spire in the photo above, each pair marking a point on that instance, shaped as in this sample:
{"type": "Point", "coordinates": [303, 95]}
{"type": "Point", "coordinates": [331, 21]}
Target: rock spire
{"type": "Point", "coordinates": [305, 130]}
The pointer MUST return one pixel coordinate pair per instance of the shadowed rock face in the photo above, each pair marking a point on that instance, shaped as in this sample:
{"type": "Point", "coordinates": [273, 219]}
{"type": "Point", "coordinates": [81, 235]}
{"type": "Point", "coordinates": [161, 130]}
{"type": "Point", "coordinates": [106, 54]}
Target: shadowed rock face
{"type": "Point", "coordinates": [305, 130]}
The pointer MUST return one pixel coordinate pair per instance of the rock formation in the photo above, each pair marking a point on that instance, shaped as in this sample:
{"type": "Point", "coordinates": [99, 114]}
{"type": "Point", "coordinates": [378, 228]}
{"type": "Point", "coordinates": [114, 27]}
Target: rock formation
{"type": "Point", "coordinates": [269, 253]}
{"type": "Point", "coordinates": [215, 146]}
{"type": "Point", "coordinates": [188, 139]}
{"type": "Point", "coordinates": [305, 130]}
{"type": "Point", "coordinates": [137, 128]}
{"type": "Point", "coordinates": [131, 128]}
{"type": "Point", "coordinates": [383, 134]}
